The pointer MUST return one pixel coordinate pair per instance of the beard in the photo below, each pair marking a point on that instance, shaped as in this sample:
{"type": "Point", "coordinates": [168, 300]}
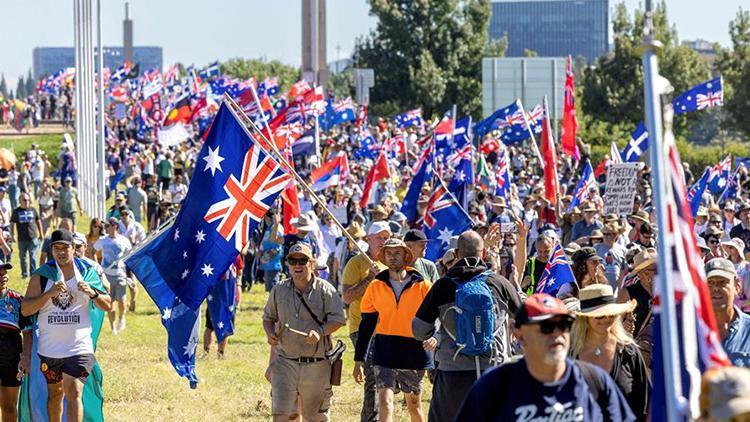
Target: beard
{"type": "Point", "coordinates": [554, 357]}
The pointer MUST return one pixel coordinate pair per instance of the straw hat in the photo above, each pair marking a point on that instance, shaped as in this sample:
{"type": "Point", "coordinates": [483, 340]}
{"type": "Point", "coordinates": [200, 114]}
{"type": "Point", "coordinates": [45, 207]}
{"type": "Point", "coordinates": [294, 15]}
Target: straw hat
{"type": "Point", "coordinates": [644, 260]}
{"type": "Point", "coordinates": [640, 215]}
{"type": "Point", "coordinates": [356, 231]}
{"type": "Point", "coordinates": [598, 300]}
{"type": "Point", "coordinates": [303, 223]}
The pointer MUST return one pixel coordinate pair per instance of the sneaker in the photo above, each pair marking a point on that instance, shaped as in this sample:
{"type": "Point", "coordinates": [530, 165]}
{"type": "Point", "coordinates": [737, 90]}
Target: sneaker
{"type": "Point", "coordinates": [121, 325]}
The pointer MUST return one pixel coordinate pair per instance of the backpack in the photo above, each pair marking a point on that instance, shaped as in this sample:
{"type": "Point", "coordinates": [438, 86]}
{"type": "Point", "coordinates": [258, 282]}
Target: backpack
{"type": "Point", "coordinates": [475, 318]}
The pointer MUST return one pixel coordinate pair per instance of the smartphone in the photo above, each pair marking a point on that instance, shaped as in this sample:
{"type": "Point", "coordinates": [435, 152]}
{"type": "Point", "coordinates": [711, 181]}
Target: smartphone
{"type": "Point", "coordinates": [507, 228]}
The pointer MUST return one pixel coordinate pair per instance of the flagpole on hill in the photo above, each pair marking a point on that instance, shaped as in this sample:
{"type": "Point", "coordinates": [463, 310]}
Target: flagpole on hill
{"type": "Point", "coordinates": [654, 87]}
{"type": "Point", "coordinates": [237, 111]}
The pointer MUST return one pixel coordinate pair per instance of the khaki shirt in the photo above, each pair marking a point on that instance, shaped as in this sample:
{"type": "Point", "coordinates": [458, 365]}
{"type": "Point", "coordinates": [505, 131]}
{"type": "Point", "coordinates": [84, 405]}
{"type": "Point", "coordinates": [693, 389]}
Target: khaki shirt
{"type": "Point", "coordinates": [285, 307]}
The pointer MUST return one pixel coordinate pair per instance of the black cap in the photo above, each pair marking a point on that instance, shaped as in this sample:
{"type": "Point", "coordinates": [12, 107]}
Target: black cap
{"type": "Point", "coordinates": [584, 254]}
{"type": "Point", "coordinates": [61, 236]}
{"type": "Point", "coordinates": [415, 235]}
{"type": "Point", "coordinates": [4, 264]}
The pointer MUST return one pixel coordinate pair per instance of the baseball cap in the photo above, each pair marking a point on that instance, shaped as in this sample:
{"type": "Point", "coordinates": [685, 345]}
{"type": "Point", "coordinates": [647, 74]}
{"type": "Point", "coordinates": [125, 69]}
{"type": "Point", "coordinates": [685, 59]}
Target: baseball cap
{"type": "Point", "coordinates": [5, 265]}
{"type": "Point", "coordinates": [61, 236]}
{"type": "Point", "coordinates": [720, 267]}
{"type": "Point", "coordinates": [379, 226]}
{"type": "Point", "coordinates": [415, 235]}
{"type": "Point", "coordinates": [300, 248]}
{"type": "Point", "coordinates": [3, 188]}
{"type": "Point", "coordinates": [79, 238]}
{"type": "Point", "coordinates": [539, 307]}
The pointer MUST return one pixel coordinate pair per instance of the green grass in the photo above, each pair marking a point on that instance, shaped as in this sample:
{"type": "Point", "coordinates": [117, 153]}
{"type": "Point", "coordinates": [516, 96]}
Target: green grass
{"type": "Point", "coordinates": [140, 384]}
{"type": "Point", "coordinates": [50, 143]}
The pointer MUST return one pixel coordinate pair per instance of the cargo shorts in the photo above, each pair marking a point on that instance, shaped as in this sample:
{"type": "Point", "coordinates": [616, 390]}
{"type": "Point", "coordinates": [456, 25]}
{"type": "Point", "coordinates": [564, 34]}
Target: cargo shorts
{"type": "Point", "coordinates": [309, 381]}
{"type": "Point", "coordinates": [406, 380]}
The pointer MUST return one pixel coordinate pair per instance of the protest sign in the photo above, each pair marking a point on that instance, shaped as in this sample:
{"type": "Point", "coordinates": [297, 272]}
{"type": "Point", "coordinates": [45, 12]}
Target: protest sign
{"type": "Point", "coordinates": [619, 192]}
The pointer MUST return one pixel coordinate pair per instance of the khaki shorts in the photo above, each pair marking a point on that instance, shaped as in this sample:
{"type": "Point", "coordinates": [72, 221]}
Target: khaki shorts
{"type": "Point", "coordinates": [309, 381]}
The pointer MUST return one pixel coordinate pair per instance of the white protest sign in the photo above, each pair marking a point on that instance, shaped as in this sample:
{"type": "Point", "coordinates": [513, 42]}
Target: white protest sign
{"type": "Point", "coordinates": [173, 135]}
{"type": "Point", "coordinates": [619, 193]}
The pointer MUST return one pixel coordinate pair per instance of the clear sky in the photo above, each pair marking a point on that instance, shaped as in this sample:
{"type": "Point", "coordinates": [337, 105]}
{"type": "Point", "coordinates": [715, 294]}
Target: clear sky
{"type": "Point", "coordinates": [192, 31]}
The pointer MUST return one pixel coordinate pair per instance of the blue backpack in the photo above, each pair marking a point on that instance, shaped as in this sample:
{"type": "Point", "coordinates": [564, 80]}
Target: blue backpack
{"type": "Point", "coordinates": [475, 320]}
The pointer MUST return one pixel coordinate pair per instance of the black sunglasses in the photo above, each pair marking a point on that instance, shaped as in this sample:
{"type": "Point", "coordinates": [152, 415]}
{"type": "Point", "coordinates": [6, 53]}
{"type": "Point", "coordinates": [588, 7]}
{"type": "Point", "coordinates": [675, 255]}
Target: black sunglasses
{"type": "Point", "coordinates": [713, 241]}
{"type": "Point", "coordinates": [297, 261]}
{"type": "Point", "coordinates": [549, 326]}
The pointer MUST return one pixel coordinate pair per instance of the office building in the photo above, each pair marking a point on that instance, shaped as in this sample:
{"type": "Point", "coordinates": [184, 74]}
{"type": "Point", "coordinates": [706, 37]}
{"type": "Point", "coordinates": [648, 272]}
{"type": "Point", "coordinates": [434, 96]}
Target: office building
{"type": "Point", "coordinates": [48, 60]}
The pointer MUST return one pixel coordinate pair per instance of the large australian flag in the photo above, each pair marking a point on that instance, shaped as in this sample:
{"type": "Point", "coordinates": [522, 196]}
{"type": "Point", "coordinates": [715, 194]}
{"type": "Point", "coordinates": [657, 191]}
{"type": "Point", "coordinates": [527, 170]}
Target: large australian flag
{"type": "Point", "coordinates": [510, 121]}
{"type": "Point", "coordinates": [443, 219]}
{"type": "Point", "coordinates": [234, 184]}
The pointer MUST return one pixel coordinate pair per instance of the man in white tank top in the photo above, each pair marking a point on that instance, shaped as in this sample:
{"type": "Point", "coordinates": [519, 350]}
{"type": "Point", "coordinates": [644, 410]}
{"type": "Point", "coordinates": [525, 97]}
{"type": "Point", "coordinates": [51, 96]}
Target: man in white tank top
{"type": "Point", "coordinates": [64, 344]}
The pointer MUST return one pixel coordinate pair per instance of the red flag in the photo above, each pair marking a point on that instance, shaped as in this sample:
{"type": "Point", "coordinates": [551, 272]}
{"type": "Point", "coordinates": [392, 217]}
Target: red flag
{"type": "Point", "coordinates": [569, 120]}
{"type": "Point", "coordinates": [378, 172]}
{"type": "Point", "coordinates": [289, 203]}
{"type": "Point", "coordinates": [549, 153]}
{"type": "Point", "coordinates": [601, 168]}
{"type": "Point", "coordinates": [362, 116]}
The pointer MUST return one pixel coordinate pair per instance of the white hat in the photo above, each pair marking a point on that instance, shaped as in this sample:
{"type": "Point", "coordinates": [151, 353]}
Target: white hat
{"type": "Point", "coordinates": [379, 226]}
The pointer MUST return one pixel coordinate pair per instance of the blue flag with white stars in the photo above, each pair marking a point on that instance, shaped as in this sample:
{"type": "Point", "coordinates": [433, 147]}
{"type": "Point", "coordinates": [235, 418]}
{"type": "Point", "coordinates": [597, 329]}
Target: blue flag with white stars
{"type": "Point", "coordinates": [706, 95]}
{"type": "Point", "coordinates": [443, 219]}
{"type": "Point", "coordinates": [234, 184]}
{"type": "Point", "coordinates": [221, 304]}
{"type": "Point", "coordinates": [510, 121]}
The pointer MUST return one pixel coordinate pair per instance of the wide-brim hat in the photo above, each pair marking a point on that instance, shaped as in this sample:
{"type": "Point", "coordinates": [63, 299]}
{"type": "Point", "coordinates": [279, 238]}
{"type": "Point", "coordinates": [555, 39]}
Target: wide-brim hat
{"type": "Point", "coordinates": [643, 260]}
{"type": "Point", "coordinates": [589, 207]}
{"type": "Point", "coordinates": [356, 231]}
{"type": "Point", "coordinates": [303, 223]}
{"type": "Point", "coordinates": [640, 215]}
{"type": "Point", "coordinates": [598, 300]}
{"type": "Point", "coordinates": [394, 243]}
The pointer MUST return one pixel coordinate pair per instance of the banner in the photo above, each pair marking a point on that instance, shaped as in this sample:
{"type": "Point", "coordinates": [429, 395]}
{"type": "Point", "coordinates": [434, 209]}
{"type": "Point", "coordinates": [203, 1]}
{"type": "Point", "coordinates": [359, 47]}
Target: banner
{"type": "Point", "coordinates": [174, 135]}
{"type": "Point", "coordinates": [619, 193]}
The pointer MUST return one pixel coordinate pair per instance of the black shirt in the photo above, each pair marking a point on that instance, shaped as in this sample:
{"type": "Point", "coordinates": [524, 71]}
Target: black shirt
{"type": "Point", "coordinates": [25, 220]}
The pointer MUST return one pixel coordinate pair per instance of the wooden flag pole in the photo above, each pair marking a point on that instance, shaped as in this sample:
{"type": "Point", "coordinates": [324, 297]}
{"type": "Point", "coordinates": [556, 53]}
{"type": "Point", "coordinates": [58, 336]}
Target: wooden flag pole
{"type": "Point", "coordinates": [277, 155]}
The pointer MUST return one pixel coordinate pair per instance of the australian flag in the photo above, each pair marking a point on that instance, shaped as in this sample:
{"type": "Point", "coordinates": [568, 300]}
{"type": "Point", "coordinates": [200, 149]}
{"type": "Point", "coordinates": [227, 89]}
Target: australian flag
{"type": "Point", "coordinates": [410, 118]}
{"type": "Point", "coordinates": [637, 146]}
{"type": "Point", "coordinates": [222, 304]}
{"type": "Point", "coordinates": [719, 174]}
{"type": "Point", "coordinates": [463, 175]}
{"type": "Point", "coordinates": [733, 185]}
{"type": "Point", "coordinates": [460, 138]}
{"type": "Point", "coordinates": [510, 121]}
{"type": "Point", "coordinates": [706, 95]}
{"type": "Point", "coordinates": [443, 219]}
{"type": "Point", "coordinates": [502, 174]}
{"type": "Point", "coordinates": [369, 147]}
{"type": "Point", "coordinates": [695, 193]}
{"type": "Point", "coordinates": [424, 171]}
{"type": "Point", "coordinates": [269, 86]}
{"type": "Point", "coordinates": [557, 273]}
{"type": "Point", "coordinates": [534, 117]}
{"type": "Point", "coordinates": [234, 184]}
{"type": "Point", "coordinates": [583, 190]}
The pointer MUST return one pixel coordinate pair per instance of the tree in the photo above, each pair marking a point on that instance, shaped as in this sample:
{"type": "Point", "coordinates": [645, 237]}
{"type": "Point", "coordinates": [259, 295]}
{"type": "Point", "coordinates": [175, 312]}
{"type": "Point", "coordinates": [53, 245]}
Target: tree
{"type": "Point", "coordinates": [342, 84]}
{"type": "Point", "coordinates": [497, 48]}
{"type": "Point", "coordinates": [30, 84]}
{"type": "Point", "coordinates": [530, 53]}
{"type": "Point", "coordinates": [261, 69]}
{"type": "Point", "coordinates": [20, 88]}
{"type": "Point", "coordinates": [3, 86]}
{"type": "Point", "coordinates": [426, 54]}
{"type": "Point", "coordinates": [613, 88]}
{"type": "Point", "coordinates": [734, 65]}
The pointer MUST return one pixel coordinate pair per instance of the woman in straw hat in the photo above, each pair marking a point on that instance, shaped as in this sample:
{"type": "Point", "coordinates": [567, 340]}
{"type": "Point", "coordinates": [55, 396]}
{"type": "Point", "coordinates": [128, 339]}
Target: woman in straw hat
{"type": "Point", "coordinates": [598, 337]}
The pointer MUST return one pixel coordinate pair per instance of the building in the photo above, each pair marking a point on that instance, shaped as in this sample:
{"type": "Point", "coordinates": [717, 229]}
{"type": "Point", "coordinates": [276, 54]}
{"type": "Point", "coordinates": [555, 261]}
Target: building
{"type": "Point", "coordinates": [529, 79]}
{"type": "Point", "coordinates": [48, 60]}
{"type": "Point", "coordinates": [704, 48]}
{"type": "Point", "coordinates": [552, 28]}
{"type": "Point", "coordinates": [340, 65]}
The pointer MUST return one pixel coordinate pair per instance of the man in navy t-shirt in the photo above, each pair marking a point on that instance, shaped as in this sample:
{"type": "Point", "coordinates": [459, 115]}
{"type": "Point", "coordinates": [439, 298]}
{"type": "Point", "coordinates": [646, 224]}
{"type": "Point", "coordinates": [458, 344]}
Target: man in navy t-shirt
{"type": "Point", "coordinates": [553, 386]}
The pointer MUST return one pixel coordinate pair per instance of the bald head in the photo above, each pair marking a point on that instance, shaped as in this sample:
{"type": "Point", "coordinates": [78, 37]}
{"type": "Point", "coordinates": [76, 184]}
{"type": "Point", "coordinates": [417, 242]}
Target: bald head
{"type": "Point", "coordinates": [470, 243]}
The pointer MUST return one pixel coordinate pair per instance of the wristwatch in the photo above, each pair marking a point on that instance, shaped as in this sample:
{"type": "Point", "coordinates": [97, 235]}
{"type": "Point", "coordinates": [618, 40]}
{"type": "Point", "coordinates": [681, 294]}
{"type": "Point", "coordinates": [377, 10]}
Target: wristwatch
{"type": "Point", "coordinates": [96, 294]}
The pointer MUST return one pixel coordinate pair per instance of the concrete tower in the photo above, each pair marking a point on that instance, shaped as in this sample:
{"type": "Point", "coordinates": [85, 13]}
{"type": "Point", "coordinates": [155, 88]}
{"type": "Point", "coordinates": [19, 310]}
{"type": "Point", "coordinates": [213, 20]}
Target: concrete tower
{"type": "Point", "coordinates": [314, 65]}
{"type": "Point", "coordinates": [127, 35]}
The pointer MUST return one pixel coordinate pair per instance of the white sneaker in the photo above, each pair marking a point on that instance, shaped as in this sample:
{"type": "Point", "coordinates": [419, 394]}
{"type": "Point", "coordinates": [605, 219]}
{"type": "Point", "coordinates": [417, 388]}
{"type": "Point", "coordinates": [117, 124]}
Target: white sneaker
{"type": "Point", "coordinates": [114, 330]}
{"type": "Point", "coordinates": [121, 325]}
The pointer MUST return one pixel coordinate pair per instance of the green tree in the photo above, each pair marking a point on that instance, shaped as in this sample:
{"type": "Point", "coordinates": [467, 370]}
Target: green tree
{"type": "Point", "coordinates": [734, 65]}
{"type": "Point", "coordinates": [342, 84]}
{"type": "Point", "coordinates": [530, 53]}
{"type": "Point", "coordinates": [30, 84]}
{"type": "Point", "coordinates": [20, 88]}
{"type": "Point", "coordinates": [3, 86]}
{"type": "Point", "coordinates": [426, 54]}
{"type": "Point", "coordinates": [613, 88]}
{"type": "Point", "coordinates": [497, 48]}
{"type": "Point", "coordinates": [260, 69]}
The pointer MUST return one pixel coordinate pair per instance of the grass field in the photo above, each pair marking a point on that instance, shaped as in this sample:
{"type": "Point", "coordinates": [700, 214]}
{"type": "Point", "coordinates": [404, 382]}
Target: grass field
{"type": "Point", "coordinates": [50, 143]}
{"type": "Point", "coordinates": [140, 384]}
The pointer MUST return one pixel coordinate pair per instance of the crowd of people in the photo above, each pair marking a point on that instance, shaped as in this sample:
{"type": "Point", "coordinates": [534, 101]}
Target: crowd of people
{"type": "Point", "coordinates": [472, 321]}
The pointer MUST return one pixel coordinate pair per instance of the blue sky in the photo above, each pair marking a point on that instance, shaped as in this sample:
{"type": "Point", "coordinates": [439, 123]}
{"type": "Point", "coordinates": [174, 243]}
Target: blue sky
{"type": "Point", "coordinates": [199, 32]}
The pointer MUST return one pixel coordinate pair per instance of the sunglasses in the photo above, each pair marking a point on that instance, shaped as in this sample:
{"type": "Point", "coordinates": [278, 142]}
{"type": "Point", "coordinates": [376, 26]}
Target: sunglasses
{"type": "Point", "coordinates": [297, 261]}
{"type": "Point", "coordinates": [713, 241]}
{"type": "Point", "coordinates": [549, 326]}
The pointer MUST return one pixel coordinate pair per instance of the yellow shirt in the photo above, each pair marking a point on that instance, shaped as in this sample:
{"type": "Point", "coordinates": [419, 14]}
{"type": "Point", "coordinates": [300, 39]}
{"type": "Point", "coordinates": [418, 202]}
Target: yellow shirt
{"type": "Point", "coordinates": [356, 270]}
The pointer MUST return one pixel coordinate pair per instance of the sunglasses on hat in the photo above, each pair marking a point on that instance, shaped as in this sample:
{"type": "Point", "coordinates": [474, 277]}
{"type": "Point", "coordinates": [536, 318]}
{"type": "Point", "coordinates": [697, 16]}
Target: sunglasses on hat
{"type": "Point", "coordinates": [550, 325]}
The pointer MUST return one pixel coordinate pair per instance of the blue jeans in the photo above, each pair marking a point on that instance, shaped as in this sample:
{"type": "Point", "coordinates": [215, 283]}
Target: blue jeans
{"type": "Point", "coordinates": [28, 249]}
{"type": "Point", "coordinates": [271, 278]}
{"type": "Point", "coordinates": [14, 195]}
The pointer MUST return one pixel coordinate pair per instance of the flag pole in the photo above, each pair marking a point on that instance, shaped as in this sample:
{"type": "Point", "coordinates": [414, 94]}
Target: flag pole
{"type": "Point", "coordinates": [654, 86]}
{"type": "Point", "coordinates": [274, 151]}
